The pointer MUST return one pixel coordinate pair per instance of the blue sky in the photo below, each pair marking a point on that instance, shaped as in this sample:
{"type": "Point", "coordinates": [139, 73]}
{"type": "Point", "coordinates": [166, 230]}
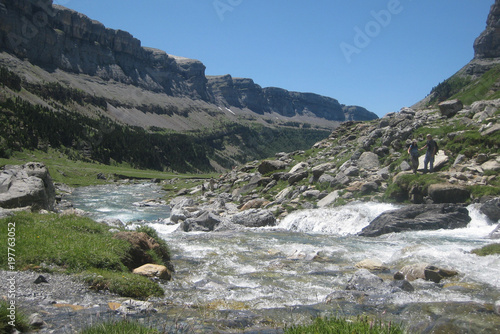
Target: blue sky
{"type": "Point", "coordinates": [379, 54]}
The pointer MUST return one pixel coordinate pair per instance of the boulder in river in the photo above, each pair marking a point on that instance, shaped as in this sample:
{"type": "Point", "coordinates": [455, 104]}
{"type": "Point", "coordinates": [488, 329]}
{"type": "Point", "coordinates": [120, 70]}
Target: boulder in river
{"type": "Point", "coordinates": [424, 271]}
{"type": "Point", "coordinates": [492, 209]}
{"type": "Point", "coordinates": [418, 217]}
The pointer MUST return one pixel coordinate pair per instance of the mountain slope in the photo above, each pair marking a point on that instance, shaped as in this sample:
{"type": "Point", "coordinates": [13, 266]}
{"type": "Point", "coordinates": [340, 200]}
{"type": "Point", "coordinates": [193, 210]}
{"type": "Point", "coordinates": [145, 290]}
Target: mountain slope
{"type": "Point", "coordinates": [84, 54]}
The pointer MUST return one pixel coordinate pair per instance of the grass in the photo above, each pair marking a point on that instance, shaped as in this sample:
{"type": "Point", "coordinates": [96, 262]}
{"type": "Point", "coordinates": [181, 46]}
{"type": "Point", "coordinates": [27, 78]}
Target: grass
{"type": "Point", "coordinates": [122, 283]}
{"type": "Point", "coordinates": [21, 320]}
{"type": "Point", "coordinates": [120, 327]}
{"type": "Point", "coordinates": [71, 243]}
{"type": "Point", "coordinates": [492, 249]}
{"type": "Point", "coordinates": [345, 326]}
{"type": "Point", "coordinates": [79, 173]}
{"type": "Point", "coordinates": [74, 245]}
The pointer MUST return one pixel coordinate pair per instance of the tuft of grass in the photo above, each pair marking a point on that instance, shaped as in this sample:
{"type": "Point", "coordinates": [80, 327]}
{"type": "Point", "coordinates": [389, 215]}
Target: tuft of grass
{"type": "Point", "coordinates": [164, 251]}
{"type": "Point", "coordinates": [345, 326]}
{"type": "Point", "coordinates": [71, 243]}
{"type": "Point", "coordinates": [119, 327]}
{"type": "Point", "coordinates": [122, 283]}
{"type": "Point", "coordinates": [492, 249]}
{"type": "Point", "coordinates": [21, 320]}
{"type": "Point", "coordinates": [75, 244]}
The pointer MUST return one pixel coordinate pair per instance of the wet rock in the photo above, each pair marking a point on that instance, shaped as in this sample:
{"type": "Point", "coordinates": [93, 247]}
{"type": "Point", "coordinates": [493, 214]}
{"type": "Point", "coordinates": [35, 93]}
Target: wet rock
{"type": "Point", "coordinates": [403, 285]}
{"type": "Point", "coordinates": [206, 222]}
{"type": "Point", "coordinates": [363, 280]}
{"type": "Point", "coordinates": [495, 234]}
{"type": "Point", "coordinates": [153, 270]}
{"type": "Point", "coordinates": [302, 255]}
{"type": "Point", "coordinates": [424, 271]}
{"type": "Point", "coordinates": [27, 185]}
{"type": "Point", "coordinates": [448, 193]}
{"type": "Point", "coordinates": [491, 209]}
{"type": "Point", "coordinates": [497, 307]}
{"type": "Point", "coordinates": [371, 264]}
{"type": "Point", "coordinates": [254, 218]}
{"type": "Point", "coordinates": [136, 307]}
{"type": "Point", "coordinates": [418, 217]}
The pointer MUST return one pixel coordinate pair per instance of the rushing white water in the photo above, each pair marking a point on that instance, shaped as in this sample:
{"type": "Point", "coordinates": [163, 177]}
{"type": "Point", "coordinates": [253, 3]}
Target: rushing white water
{"type": "Point", "coordinates": [309, 255]}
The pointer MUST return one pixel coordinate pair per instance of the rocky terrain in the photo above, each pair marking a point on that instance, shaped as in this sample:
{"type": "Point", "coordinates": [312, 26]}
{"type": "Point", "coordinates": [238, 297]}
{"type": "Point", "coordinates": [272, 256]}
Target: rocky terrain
{"type": "Point", "coordinates": [361, 161]}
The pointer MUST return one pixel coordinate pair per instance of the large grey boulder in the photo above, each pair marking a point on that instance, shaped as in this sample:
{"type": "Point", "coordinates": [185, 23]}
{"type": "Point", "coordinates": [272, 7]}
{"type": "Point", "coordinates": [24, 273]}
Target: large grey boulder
{"type": "Point", "coordinates": [254, 218]}
{"type": "Point", "coordinates": [368, 160]}
{"type": "Point", "coordinates": [491, 209]}
{"type": "Point", "coordinates": [450, 108]}
{"type": "Point", "coordinates": [268, 166]}
{"type": "Point", "coordinates": [205, 222]}
{"type": "Point", "coordinates": [28, 185]}
{"type": "Point", "coordinates": [418, 217]}
{"type": "Point", "coordinates": [448, 193]}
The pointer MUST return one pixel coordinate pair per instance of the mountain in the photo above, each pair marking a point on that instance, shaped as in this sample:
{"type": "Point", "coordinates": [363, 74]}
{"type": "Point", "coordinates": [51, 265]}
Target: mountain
{"type": "Point", "coordinates": [480, 78]}
{"type": "Point", "coordinates": [72, 48]}
{"type": "Point", "coordinates": [69, 83]}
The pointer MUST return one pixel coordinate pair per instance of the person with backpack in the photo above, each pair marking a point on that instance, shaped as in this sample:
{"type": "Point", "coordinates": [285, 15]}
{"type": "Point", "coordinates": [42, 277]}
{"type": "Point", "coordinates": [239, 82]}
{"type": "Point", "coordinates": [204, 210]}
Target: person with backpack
{"type": "Point", "coordinates": [432, 149]}
{"type": "Point", "coordinates": [413, 152]}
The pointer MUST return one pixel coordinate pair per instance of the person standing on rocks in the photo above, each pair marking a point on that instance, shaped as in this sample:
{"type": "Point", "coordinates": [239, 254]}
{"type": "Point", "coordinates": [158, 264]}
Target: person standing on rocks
{"type": "Point", "coordinates": [431, 147]}
{"type": "Point", "coordinates": [413, 152]}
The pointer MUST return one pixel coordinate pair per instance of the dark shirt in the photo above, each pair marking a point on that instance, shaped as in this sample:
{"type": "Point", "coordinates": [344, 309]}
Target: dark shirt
{"type": "Point", "coordinates": [431, 146]}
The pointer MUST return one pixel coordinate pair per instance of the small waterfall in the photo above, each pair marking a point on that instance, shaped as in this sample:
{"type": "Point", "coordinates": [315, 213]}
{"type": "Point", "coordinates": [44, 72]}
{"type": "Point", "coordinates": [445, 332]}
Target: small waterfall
{"type": "Point", "coordinates": [346, 220]}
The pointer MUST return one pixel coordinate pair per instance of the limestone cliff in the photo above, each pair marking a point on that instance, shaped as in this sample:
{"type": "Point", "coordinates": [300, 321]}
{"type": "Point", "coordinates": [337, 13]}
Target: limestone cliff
{"type": "Point", "coordinates": [56, 38]}
{"type": "Point", "coordinates": [487, 45]}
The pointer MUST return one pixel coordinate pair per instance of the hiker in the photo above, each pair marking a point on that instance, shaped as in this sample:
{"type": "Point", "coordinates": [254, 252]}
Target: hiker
{"type": "Point", "coordinates": [431, 147]}
{"type": "Point", "coordinates": [413, 152]}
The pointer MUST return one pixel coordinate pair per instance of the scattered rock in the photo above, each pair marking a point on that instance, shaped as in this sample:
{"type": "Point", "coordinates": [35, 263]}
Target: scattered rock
{"type": "Point", "coordinates": [368, 160]}
{"type": "Point", "coordinates": [371, 264]}
{"type": "Point", "coordinates": [136, 307]}
{"type": "Point", "coordinates": [35, 320]}
{"type": "Point", "coordinates": [450, 108]}
{"type": "Point", "coordinates": [426, 272]}
{"type": "Point", "coordinates": [205, 222]}
{"type": "Point", "coordinates": [254, 218]}
{"type": "Point", "coordinates": [153, 270]}
{"type": "Point", "coordinates": [40, 279]}
{"type": "Point", "coordinates": [268, 166]}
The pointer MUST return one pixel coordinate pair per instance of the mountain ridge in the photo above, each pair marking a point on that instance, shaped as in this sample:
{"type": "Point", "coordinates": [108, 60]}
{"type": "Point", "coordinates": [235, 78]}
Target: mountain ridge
{"type": "Point", "coordinates": [57, 38]}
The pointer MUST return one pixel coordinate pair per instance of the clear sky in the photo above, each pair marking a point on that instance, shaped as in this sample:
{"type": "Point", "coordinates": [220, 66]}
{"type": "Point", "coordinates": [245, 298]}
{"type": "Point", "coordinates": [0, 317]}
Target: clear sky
{"type": "Point", "coordinates": [379, 54]}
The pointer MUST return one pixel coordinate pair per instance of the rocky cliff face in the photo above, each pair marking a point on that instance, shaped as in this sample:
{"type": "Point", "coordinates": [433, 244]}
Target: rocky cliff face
{"type": "Point", "coordinates": [55, 37]}
{"type": "Point", "coordinates": [244, 93]}
{"type": "Point", "coordinates": [487, 45]}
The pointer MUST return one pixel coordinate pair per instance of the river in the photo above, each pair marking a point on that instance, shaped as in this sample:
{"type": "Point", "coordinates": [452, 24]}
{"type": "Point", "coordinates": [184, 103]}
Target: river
{"type": "Point", "coordinates": [311, 254]}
